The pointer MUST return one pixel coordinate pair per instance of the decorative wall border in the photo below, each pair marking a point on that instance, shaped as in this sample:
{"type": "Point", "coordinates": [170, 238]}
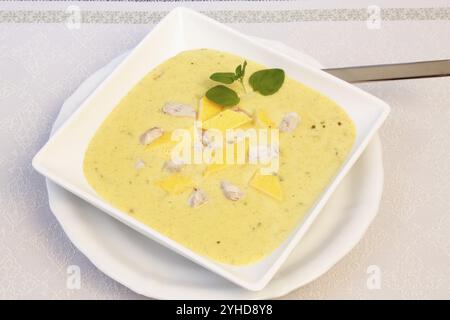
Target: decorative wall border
{"type": "Point", "coordinates": [229, 16]}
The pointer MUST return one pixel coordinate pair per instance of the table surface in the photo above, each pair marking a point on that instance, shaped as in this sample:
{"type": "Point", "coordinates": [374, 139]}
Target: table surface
{"type": "Point", "coordinates": [42, 61]}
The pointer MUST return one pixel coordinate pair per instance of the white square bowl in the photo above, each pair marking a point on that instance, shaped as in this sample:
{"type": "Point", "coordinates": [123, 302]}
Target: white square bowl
{"type": "Point", "coordinates": [61, 158]}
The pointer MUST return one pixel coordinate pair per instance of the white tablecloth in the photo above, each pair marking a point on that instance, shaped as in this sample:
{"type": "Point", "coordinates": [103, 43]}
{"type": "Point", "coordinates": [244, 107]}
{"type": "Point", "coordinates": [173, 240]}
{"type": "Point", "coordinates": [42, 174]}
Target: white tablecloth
{"type": "Point", "coordinates": [42, 61]}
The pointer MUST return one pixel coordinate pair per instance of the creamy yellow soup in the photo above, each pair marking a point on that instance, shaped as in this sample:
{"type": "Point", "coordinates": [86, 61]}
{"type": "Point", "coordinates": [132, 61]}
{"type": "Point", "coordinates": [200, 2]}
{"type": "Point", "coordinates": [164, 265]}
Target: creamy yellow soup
{"type": "Point", "coordinates": [128, 174]}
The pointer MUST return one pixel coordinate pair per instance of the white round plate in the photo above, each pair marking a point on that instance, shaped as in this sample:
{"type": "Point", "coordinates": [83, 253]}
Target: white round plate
{"type": "Point", "coordinates": [154, 271]}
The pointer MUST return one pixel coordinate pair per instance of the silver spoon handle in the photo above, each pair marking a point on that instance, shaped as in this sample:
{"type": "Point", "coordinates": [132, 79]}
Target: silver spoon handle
{"type": "Point", "coordinates": [383, 72]}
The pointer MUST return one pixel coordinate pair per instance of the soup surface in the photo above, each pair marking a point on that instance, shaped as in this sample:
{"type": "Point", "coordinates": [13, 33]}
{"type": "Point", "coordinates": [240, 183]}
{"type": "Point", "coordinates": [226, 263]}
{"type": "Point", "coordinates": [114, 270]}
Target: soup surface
{"type": "Point", "coordinates": [135, 177]}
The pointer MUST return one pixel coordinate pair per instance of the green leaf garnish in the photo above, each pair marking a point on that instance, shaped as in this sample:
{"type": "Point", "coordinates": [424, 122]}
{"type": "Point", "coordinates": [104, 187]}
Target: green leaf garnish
{"type": "Point", "coordinates": [223, 77]}
{"type": "Point", "coordinates": [230, 77]}
{"type": "Point", "coordinates": [267, 81]}
{"type": "Point", "coordinates": [238, 72]}
{"type": "Point", "coordinates": [223, 96]}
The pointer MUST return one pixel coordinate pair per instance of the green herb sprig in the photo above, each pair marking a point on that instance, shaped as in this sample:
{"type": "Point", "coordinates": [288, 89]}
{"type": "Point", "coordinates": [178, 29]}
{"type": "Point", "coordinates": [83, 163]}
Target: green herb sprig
{"type": "Point", "coordinates": [230, 77]}
{"type": "Point", "coordinates": [266, 82]}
